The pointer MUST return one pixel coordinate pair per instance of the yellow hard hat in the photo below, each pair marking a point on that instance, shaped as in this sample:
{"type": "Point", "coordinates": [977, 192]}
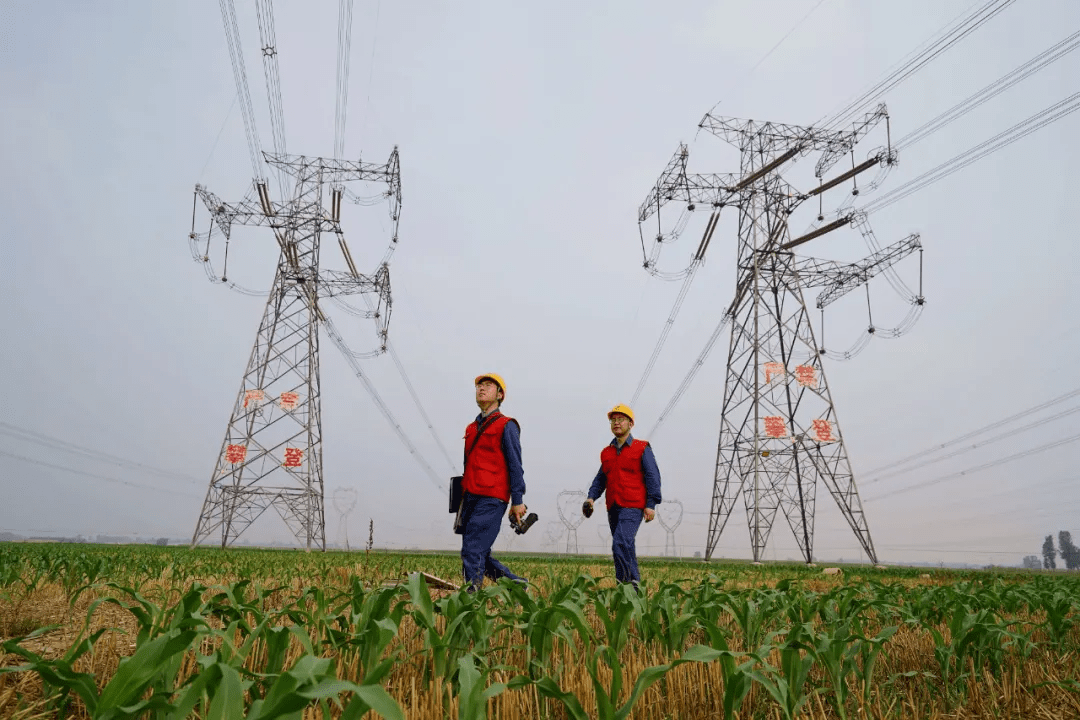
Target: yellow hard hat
{"type": "Point", "coordinates": [492, 376]}
{"type": "Point", "coordinates": [622, 409]}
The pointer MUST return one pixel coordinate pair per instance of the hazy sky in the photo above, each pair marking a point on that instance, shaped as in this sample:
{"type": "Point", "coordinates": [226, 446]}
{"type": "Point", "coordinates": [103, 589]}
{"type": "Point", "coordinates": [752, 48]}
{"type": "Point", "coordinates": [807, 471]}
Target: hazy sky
{"type": "Point", "coordinates": [529, 134]}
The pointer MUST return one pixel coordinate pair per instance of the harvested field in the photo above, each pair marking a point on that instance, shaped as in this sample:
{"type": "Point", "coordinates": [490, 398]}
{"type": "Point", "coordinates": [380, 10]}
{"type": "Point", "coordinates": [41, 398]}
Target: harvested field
{"type": "Point", "coordinates": [107, 632]}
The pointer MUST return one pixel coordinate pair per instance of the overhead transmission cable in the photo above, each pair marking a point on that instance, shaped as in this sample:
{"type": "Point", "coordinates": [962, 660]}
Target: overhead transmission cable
{"type": "Point", "coordinates": [977, 468]}
{"type": "Point", "coordinates": [1039, 62]}
{"type": "Point", "coordinates": [975, 433]}
{"type": "Point", "coordinates": [765, 57]}
{"type": "Point", "coordinates": [236, 55]}
{"type": "Point", "coordinates": [691, 373]}
{"type": "Point", "coordinates": [969, 448]}
{"type": "Point", "coordinates": [379, 402]}
{"type": "Point", "coordinates": [664, 333]}
{"type": "Point", "coordinates": [1020, 130]}
{"type": "Point", "coordinates": [54, 443]}
{"type": "Point", "coordinates": [699, 258]}
{"type": "Point", "coordinates": [412, 392]}
{"type": "Point", "coordinates": [95, 476]}
{"type": "Point", "coordinates": [919, 58]}
{"type": "Point", "coordinates": [345, 15]}
{"type": "Point", "coordinates": [264, 9]}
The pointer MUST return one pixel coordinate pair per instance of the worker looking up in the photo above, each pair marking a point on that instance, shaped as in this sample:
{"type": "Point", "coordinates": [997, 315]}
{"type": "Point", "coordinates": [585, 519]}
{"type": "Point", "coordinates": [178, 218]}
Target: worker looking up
{"type": "Point", "coordinates": [492, 479]}
{"type": "Point", "coordinates": [630, 478]}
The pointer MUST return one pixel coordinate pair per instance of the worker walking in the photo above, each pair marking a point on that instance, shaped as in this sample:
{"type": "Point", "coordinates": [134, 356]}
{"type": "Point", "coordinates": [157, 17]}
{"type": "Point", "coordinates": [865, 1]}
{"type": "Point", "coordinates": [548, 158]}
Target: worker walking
{"type": "Point", "coordinates": [630, 478]}
{"type": "Point", "coordinates": [493, 478]}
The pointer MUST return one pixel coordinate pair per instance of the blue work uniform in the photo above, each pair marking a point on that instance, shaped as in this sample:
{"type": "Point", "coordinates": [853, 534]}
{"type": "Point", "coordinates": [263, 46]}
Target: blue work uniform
{"type": "Point", "coordinates": [623, 521]}
{"type": "Point", "coordinates": [482, 516]}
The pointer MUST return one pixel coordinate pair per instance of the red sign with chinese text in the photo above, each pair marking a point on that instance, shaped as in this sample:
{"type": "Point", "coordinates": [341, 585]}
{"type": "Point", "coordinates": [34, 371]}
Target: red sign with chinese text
{"type": "Point", "coordinates": [771, 369]}
{"type": "Point", "coordinates": [293, 457]}
{"type": "Point", "coordinates": [775, 427]}
{"type": "Point", "coordinates": [235, 453]}
{"type": "Point", "coordinates": [823, 430]}
{"type": "Point", "coordinates": [289, 400]}
{"type": "Point", "coordinates": [250, 395]}
{"type": "Point", "coordinates": [806, 375]}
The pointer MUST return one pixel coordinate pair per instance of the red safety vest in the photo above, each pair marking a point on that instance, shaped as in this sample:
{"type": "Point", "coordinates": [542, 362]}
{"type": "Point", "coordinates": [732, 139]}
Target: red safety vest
{"type": "Point", "coordinates": [485, 470]}
{"type": "Point", "coordinates": [625, 479]}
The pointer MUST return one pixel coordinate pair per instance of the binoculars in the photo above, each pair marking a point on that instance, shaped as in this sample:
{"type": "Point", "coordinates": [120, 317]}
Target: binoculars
{"type": "Point", "coordinates": [522, 527]}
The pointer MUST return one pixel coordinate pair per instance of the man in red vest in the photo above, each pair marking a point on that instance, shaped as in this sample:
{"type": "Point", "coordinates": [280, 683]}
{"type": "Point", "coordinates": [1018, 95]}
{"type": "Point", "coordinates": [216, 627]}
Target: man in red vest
{"type": "Point", "coordinates": [631, 479]}
{"type": "Point", "coordinates": [493, 478]}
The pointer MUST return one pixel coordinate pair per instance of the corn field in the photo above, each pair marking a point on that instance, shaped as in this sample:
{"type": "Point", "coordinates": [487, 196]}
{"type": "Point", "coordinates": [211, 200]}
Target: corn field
{"type": "Point", "coordinates": [154, 632]}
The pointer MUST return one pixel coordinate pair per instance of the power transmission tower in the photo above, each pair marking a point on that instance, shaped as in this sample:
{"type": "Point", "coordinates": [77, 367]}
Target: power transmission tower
{"type": "Point", "coordinates": [670, 514]}
{"type": "Point", "coordinates": [568, 503]}
{"type": "Point", "coordinates": [779, 430]}
{"type": "Point", "coordinates": [344, 502]}
{"type": "Point", "coordinates": [272, 452]}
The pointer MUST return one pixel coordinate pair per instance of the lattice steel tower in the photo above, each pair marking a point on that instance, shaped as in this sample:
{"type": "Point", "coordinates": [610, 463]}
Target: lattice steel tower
{"type": "Point", "coordinates": [272, 452]}
{"type": "Point", "coordinates": [779, 430]}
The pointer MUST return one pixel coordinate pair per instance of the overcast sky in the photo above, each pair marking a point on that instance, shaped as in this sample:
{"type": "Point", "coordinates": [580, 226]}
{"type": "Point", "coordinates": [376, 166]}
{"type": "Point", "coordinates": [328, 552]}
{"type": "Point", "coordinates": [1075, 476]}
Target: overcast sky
{"type": "Point", "coordinates": [529, 134]}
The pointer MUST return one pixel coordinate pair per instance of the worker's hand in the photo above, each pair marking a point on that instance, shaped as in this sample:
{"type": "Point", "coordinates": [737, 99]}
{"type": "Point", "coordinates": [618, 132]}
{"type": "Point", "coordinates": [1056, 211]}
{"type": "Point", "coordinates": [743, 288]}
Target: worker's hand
{"type": "Point", "coordinates": [518, 511]}
{"type": "Point", "coordinates": [649, 514]}
{"type": "Point", "coordinates": [587, 508]}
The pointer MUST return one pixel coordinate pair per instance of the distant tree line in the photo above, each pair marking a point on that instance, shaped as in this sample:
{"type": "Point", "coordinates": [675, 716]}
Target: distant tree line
{"type": "Point", "coordinates": [1065, 548]}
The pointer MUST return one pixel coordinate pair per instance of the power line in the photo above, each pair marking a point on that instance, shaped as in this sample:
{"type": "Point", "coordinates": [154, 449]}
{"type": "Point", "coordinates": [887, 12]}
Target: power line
{"type": "Point", "coordinates": [236, 55]}
{"type": "Point", "coordinates": [379, 402]}
{"type": "Point", "coordinates": [371, 67]}
{"type": "Point", "coordinates": [724, 320]}
{"type": "Point", "coordinates": [947, 38]}
{"type": "Point", "coordinates": [419, 406]}
{"type": "Point", "coordinates": [667, 329]}
{"type": "Point", "coordinates": [345, 13]}
{"type": "Point", "coordinates": [264, 9]}
{"type": "Point", "coordinates": [1020, 130]}
{"type": "Point", "coordinates": [216, 139]}
{"type": "Point", "coordinates": [412, 393]}
{"type": "Point", "coordinates": [984, 466]}
{"type": "Point", "coordinates": [786, 36]}
{"type": "Point", "coordinates": [981, 443]}
{"type": "Point", "coordinates": [92, 475]}
{"type": "Point", "coordinates": [69, 447]}
{"type": "Point", "coordinates": [773, 49]}
{"type": "Point", "coordinates": [1039, 62]}
{"type": "Point", "coordinates": [979, 431]}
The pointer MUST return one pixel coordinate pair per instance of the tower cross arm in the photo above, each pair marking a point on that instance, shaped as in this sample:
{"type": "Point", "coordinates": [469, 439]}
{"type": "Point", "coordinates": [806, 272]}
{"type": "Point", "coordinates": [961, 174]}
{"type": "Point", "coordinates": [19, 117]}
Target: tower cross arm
{"type": "Point", "coordinates": [838, 279]}
{"type": "Point", "coordinates": [334, 283]}
{"type": "Point", "coordinates": [843, 144]}
{"type": "Point", "coordinates": [670, 185]}
{"type": "Point", "coordinates": [307, 168]}
{"type": "Point", "coordinates": [777, 137]}
{"type": "Point", "coordinates": [769, 136]}
{"type": "Point", "coordinates": [246, 212]}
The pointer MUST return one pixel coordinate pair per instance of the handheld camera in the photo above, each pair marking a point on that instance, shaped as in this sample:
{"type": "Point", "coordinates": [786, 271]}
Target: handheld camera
{"type": "Point", "coordinates": [523, 527]}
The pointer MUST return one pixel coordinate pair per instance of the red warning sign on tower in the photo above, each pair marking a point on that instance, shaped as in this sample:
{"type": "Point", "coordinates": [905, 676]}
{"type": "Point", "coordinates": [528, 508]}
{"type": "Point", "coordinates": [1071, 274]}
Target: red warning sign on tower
{"type": "Point", "coordinates": [806, 375]}
{"type": "Point", "coordinates": [253, 396]}
{"type": "Point", "coordinates": [288, 400]}
{"type": "Point", "coordinates": [775, 426]}
{"type": "Point", "coordinates": [823, 431]}
{"type": "Point", "coordinates": [235, 453]}
{"type": "Point", "coordinates": [773, 369]}
{"type": "Point", "coordinates": [293, 457]}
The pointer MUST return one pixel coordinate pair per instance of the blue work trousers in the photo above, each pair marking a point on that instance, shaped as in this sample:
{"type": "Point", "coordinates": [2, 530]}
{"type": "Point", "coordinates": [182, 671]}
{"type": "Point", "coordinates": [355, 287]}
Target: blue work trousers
{"type": "Point", "coordinates": [624, 523]}
{"type": "Point", "coordinates": [482, 517]}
